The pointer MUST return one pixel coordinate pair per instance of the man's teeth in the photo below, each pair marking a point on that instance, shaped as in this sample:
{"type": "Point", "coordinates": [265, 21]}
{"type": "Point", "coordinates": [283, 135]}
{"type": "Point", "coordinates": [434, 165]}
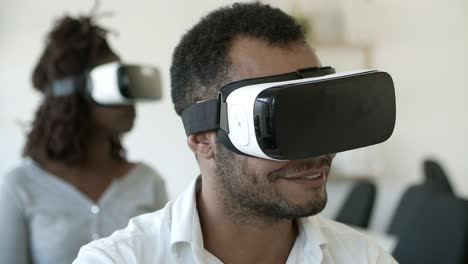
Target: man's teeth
{"type": "Point", "coordinates": [312, 176]}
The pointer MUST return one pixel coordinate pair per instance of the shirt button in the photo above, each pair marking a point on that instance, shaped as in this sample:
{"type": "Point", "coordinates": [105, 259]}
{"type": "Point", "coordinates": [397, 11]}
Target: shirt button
{"type": "Point", "coordinates": [95, 209]}
{"type": "Point", "coordinates": [95, 236]}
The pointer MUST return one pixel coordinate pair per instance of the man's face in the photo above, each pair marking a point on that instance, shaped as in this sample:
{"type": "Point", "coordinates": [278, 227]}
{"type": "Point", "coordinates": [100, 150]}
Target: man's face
{"type": "Point", "coordinates": [274, 189]}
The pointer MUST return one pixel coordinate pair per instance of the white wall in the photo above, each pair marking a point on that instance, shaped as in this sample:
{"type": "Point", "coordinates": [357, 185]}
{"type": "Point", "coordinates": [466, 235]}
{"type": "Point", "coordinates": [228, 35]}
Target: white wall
{"type": "Point", "coordinates": [423, 44]}
{"type": "Point", "coordinates": [147, 33]}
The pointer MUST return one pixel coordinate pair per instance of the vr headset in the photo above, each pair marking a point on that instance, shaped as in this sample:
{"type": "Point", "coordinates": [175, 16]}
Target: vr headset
{"type": "Point", "coordinates": [302, 114]}
{"type": "Point", "coordinates": [112, 84]}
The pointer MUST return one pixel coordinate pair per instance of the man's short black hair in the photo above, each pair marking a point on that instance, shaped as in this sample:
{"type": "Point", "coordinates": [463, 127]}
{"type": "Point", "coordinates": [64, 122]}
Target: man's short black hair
{"type": "Point", "coordinates": [200, 63]}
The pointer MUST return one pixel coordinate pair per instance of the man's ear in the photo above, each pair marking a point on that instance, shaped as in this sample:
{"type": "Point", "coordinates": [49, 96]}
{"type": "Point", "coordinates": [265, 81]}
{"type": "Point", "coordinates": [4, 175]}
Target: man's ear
{"type": "Point", "coordinates": [202, 144]}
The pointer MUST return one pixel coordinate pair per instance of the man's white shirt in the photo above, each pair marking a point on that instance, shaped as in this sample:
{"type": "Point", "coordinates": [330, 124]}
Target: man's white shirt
{"type": "Point", "coordinates": [173, 235]}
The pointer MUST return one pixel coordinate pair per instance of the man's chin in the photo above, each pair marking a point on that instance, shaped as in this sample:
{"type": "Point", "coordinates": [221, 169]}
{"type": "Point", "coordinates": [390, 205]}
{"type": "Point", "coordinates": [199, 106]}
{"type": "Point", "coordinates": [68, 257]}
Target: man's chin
{"type": "Point", "coordinates": [311, 211]}
{"type": "Point", "coordinates": [310, 208]}
{"type": "Point", "coordinates": [306, 200]}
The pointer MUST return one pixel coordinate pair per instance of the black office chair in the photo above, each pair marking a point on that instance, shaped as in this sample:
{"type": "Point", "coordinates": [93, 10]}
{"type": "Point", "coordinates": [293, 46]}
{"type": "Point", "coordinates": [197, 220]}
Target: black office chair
{"type": "Point", "coordinates": [409, 207]}
{"type": "Point", "coordinates": [436, 177]}
{"type": "Point", "coordinates": [358, 206]}
{"type": "Point", "coordinates": [437, 234]}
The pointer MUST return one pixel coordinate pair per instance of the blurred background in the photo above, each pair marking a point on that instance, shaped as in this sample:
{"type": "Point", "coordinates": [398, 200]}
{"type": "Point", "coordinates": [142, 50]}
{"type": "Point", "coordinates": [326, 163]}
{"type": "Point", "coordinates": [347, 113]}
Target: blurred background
{"type": "Point", "coordinates": [422, 44]}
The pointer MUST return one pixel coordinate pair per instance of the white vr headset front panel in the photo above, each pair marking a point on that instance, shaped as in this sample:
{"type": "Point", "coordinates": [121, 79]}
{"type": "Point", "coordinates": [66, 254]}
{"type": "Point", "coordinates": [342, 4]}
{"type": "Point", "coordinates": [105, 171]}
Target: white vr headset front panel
{"type": "Point", "coordinates": [240, 108]}
{"type": "Point", "coordinates": [103, 84]}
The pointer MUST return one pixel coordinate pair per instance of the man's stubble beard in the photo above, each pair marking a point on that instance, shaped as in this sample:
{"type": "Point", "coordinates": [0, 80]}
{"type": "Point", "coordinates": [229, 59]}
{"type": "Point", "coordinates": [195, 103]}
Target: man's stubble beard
{"type": "Point", "coordinates": [250, 199]}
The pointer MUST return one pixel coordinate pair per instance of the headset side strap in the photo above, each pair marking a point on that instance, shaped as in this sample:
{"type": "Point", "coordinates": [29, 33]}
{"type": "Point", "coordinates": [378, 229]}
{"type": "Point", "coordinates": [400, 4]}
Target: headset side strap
{"type": "Point", "coordinates": [67, 86]}
{"type": "Point", "coordinates": [202, 116]}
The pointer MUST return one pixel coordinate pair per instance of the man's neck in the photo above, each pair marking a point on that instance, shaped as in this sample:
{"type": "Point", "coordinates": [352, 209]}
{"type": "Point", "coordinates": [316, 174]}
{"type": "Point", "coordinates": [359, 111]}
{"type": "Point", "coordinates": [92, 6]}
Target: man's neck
{"type": "Point", "coordinates": [234, 240]}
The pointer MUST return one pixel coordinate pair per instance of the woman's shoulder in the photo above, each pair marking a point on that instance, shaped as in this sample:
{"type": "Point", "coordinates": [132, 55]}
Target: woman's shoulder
{"type": "Point", "coordinates": [145, 171]}
{"type": "Point", "coordinates": [20, 175]}
{"type": "Point", "coordinates": [145, 168]}
{"type": "Point", "coordinates": [145, 178]}
{"type": "Point", "coordinates": [20, 183]}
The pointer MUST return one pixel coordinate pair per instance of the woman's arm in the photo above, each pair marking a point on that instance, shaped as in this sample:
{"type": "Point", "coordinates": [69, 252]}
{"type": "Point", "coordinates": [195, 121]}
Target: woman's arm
{"type": "Point", "coordinates": [14, 239]}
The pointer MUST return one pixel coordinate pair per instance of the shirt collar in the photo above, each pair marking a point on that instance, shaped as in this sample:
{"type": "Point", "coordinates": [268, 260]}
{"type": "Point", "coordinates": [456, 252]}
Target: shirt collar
{"type": "Point", "coordinates": [185, 215]}
{"type": "Point", "coordinates": [311, 238]}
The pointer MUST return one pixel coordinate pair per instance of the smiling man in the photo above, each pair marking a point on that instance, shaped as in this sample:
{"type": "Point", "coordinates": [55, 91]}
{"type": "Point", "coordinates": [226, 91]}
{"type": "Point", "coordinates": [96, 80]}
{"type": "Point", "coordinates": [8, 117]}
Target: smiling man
{"type": "Point", "coordinates": [241, 209]}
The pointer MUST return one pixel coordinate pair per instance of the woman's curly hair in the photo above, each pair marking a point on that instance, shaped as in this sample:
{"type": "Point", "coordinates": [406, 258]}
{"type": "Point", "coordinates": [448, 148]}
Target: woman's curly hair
{"type": "Point", "coordinates": [62, 125]}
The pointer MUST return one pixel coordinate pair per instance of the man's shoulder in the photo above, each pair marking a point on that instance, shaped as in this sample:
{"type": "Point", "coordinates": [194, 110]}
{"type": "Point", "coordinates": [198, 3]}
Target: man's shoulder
{"type": "Point", "coordinates": [148, 227]}
{"type": "Point", "coordinates": [333, 232]}
{"type": "Point", "coordinates": [345, 242]}
{"type": "Point", "coordinates": [332, 228]}
{"type": "Point", "coordinates": [145, 233]}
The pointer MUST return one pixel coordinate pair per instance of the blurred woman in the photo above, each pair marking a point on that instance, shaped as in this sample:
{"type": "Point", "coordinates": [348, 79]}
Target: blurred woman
{"type": "Point", "coordinates": [76, 184]}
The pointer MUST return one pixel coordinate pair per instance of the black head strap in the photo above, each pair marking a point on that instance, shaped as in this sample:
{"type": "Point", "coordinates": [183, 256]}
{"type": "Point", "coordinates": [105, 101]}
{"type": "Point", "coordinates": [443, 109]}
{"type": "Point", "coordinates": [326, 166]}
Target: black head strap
{"type": "Point", "coordinates": [67, 86]}
{"type": "Point", "coordinates": [211, 114]}
{"type": "Point", "coordinates": [202, 116]}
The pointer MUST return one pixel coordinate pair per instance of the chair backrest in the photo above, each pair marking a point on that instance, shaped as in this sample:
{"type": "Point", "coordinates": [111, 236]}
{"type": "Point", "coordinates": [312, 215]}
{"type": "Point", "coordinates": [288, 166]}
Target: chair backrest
{"type": "Point", "coordinates": [436, 177]}
{"type": "Point", "coordinates": [437, 234]}
{"type": "Point", "coordinates": [408, 208]}
{"type": "Point", "coordinates": [357, 208]}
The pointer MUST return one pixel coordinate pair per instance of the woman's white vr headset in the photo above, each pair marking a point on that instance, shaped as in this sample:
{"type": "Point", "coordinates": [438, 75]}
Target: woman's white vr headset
{"type": "Point", "coordinates": [112, 84]}
{"type": "Point", "coordinates": [297, 115]}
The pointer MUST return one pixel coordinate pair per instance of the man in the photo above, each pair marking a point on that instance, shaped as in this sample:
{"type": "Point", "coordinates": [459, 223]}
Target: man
{"type": "Point", "coordinates": [241, 209]}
